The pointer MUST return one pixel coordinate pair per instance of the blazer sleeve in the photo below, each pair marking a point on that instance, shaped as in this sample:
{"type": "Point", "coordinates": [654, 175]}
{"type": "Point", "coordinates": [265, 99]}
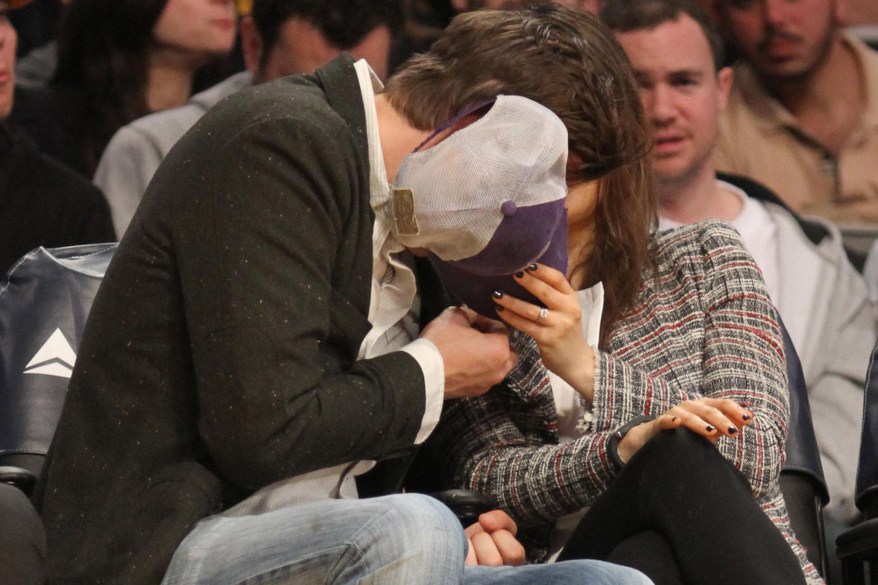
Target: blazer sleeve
{"type": "Point", "coordinates": [503, 444]}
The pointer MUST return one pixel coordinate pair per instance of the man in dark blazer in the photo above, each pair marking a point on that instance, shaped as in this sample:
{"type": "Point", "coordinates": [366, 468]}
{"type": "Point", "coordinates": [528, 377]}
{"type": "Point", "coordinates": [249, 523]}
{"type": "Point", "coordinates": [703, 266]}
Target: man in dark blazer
{"type": "Point", "coordinates": [254, 340]}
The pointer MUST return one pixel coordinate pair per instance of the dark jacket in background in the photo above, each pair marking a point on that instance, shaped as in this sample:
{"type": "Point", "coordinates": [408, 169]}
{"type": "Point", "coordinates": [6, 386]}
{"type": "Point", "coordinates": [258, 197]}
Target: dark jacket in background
{"type": "Point", "coordinates": [43, 203]}
{"type": "Point", "coordinates": [53, 117]}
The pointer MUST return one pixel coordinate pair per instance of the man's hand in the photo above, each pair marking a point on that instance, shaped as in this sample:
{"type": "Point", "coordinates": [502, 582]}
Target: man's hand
{"type": "Point", "coordinates": [492, 541]}
{"type": "Point", "coordinates": [475, 351]}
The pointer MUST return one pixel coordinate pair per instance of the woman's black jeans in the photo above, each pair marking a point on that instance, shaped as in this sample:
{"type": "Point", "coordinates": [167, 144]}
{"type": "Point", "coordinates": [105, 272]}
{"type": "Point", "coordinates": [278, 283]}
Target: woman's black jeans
{"type": "Point", "coordinates": [682, 514]}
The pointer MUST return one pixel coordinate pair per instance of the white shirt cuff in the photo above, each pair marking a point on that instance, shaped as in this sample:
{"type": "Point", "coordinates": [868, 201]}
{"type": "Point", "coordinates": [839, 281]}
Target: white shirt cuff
{"type": "Point", "coordinates": [430, 360]}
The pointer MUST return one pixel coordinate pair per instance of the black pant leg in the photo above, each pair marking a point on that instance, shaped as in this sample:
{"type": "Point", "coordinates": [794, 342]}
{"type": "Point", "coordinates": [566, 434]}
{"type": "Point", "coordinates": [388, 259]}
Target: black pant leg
{"type": "Point", "coordinates": [681, 487]}
{"type": "Point", "coordinates": [22, 540]}
{"type": "Point", "coordinates": [649, 553]}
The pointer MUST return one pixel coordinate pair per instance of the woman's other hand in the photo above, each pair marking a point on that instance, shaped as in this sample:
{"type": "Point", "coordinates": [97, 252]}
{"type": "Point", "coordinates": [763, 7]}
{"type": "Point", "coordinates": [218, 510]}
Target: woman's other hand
{"type": "Point", "coordinates": [492, 541]}
{"type": "Point", "coordinates": [711, 418]}
{"type": "Point", "coordinates": [557, 329]}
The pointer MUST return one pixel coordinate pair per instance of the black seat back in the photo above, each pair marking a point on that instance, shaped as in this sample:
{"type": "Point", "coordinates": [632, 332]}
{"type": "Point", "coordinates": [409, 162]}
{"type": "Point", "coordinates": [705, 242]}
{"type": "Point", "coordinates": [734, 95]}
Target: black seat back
{"type": "Point", "coordinates": [44, 301]}
{"type": "Point", "coordinates": [867, 467]}
{"type": "Point", "coordinates": [857, 548]}
{"type": "Point", "coordinates": [801, 479]}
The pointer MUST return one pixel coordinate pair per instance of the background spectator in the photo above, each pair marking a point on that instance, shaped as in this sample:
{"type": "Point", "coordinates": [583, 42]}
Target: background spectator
{"type": "Point", "coordinates": [803, 112]}
{"type": "Point", "coordinates": [676, 54]}
{"type": "Point", "coordinates": [119, 60]}
{"type": "Point", "coordinates": [282, 37]}
{"type": "Point", "coordinates": [42, 203]}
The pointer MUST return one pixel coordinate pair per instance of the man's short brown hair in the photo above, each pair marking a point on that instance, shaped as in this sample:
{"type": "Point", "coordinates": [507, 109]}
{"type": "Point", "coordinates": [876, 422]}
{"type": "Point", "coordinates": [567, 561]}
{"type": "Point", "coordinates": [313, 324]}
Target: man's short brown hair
{"type": "Point", "coordinates": [633, 15]}
{"type": "Point", "coordinates": [568, 61]}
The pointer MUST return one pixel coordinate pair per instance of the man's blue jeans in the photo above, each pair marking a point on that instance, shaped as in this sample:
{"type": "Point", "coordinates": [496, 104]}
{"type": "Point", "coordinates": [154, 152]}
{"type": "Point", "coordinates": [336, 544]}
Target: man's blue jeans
{"type": "Point", "coordinates": [395, 540]}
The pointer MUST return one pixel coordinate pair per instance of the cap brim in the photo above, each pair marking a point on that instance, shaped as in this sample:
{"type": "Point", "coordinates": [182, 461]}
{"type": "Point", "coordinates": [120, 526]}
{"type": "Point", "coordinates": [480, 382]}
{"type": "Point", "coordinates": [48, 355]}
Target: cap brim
{"type": "Point", "coordinates": [475, 290]}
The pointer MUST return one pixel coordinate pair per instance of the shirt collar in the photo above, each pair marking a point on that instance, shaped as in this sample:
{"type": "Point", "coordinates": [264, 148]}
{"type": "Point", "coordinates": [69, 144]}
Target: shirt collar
{"type": "Point", "coordinates": [370, 85]}
{"type": "Point", "coordinates": [770, 113]}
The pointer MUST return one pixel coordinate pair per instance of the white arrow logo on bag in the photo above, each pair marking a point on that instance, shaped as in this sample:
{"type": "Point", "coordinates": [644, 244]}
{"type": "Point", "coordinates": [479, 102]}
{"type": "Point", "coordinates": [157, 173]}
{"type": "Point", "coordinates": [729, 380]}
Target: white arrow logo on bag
{"type": "Point", "coordinates": [55, 358]}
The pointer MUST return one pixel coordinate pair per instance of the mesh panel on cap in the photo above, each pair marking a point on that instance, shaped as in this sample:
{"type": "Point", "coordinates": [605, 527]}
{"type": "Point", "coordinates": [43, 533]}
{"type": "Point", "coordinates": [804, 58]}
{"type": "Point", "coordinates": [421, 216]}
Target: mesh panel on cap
{"type": "Point", "coordinates": [517, 151]}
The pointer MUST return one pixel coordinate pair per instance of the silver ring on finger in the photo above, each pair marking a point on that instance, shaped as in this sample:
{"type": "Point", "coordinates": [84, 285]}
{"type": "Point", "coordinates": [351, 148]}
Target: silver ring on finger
{"type": "Point", "coordinates": [544, 313]}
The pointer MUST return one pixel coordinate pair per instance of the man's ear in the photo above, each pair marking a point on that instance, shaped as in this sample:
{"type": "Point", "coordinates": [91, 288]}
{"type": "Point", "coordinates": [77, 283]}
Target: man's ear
{"type": "Point", "coordinates": [725, 77]}
{"type": "Point", "coordinates": [251, 43]}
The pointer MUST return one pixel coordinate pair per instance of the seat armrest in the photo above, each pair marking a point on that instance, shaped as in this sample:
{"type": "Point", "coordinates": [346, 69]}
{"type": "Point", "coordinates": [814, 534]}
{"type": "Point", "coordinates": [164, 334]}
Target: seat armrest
{"type": "Point", "coordinates": [467, 505]}
{"type": "Point", "coordinates": [801, 492]}
{"type": "Point", "coordinates": [18, 477]}
{"type": "Point", "coordinates": [861, 539]}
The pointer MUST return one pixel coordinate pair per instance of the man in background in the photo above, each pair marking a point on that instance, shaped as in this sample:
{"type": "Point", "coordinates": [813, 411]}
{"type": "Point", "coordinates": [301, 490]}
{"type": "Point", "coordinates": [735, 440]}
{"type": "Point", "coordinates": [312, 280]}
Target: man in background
{"type": "Point", "coordinates": [803, 112]}
{"type": "Point", "coordinates": [676, 53]}
{"type": "Point", "coordinates": [42, 202]}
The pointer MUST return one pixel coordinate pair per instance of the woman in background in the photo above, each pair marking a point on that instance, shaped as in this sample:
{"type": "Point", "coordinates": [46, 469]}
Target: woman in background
{"type": "Point", "coordinates": [119, 60]}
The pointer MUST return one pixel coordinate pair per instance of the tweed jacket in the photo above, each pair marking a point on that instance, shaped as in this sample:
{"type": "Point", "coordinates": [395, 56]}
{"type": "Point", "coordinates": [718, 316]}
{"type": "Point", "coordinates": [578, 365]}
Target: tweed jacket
{"type": "Point", "coordinates": [220, 352]}
{"type": "Point", "coordinates": [703, 326]}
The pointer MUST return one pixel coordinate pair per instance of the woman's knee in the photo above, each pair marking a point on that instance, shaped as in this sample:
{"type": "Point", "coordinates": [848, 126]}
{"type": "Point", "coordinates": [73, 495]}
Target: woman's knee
{"type": "Point", "coordinates": [680, 442]}
{"type": "Point", "coordinates": [22, 540]}
{"type": "Point", "coordinates": [679, 450]}
{"type": "Point", "coordinates": [21, 523]}
{"type": "Point", "coordinates": [678, 458]}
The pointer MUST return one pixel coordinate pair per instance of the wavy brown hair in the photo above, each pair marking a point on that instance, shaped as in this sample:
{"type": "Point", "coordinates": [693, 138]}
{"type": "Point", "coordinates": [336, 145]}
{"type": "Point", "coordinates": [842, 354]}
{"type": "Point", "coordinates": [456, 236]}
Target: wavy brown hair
{"type": "Point", "coordinates": [568, 61]}
{"type": "Point", "coordinates": [103, 54]}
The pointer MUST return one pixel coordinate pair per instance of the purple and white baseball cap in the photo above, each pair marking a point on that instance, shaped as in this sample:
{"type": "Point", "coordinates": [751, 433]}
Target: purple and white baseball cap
{"type": "Point", "coordinates": [488, 200]}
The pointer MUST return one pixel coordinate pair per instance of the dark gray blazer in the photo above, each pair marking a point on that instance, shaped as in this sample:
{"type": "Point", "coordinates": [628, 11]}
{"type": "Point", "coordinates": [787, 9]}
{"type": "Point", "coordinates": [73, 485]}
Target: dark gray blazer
{"type": "Point", "coordinates": [220, 353]}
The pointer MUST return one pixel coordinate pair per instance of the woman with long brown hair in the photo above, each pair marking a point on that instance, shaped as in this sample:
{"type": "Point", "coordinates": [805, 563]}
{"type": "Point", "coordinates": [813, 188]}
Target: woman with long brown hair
{"type": "Point", "coordinates": [650, 385]}
{"type": "Point", "coordinates": [119, 60]}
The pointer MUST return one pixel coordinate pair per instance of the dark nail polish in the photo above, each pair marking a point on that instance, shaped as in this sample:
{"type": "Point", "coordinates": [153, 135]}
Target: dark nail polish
{"type": "Point", "coordinates": [497, 294]}
{"type": "Point", "coordinates": [710, 428]}
{"type": "Point", "coordinates": [499, 309]}
{"type": "Point", "coordinates": [673, 418]}
{"type": "Point", "coordinates": [519, 274]}
{"type": "Point", "coordinates": [745, 416]}
{"type": "Point", "coordinates": [732, 430]}
{"type": "Point", "coordinates": [532, 267]}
